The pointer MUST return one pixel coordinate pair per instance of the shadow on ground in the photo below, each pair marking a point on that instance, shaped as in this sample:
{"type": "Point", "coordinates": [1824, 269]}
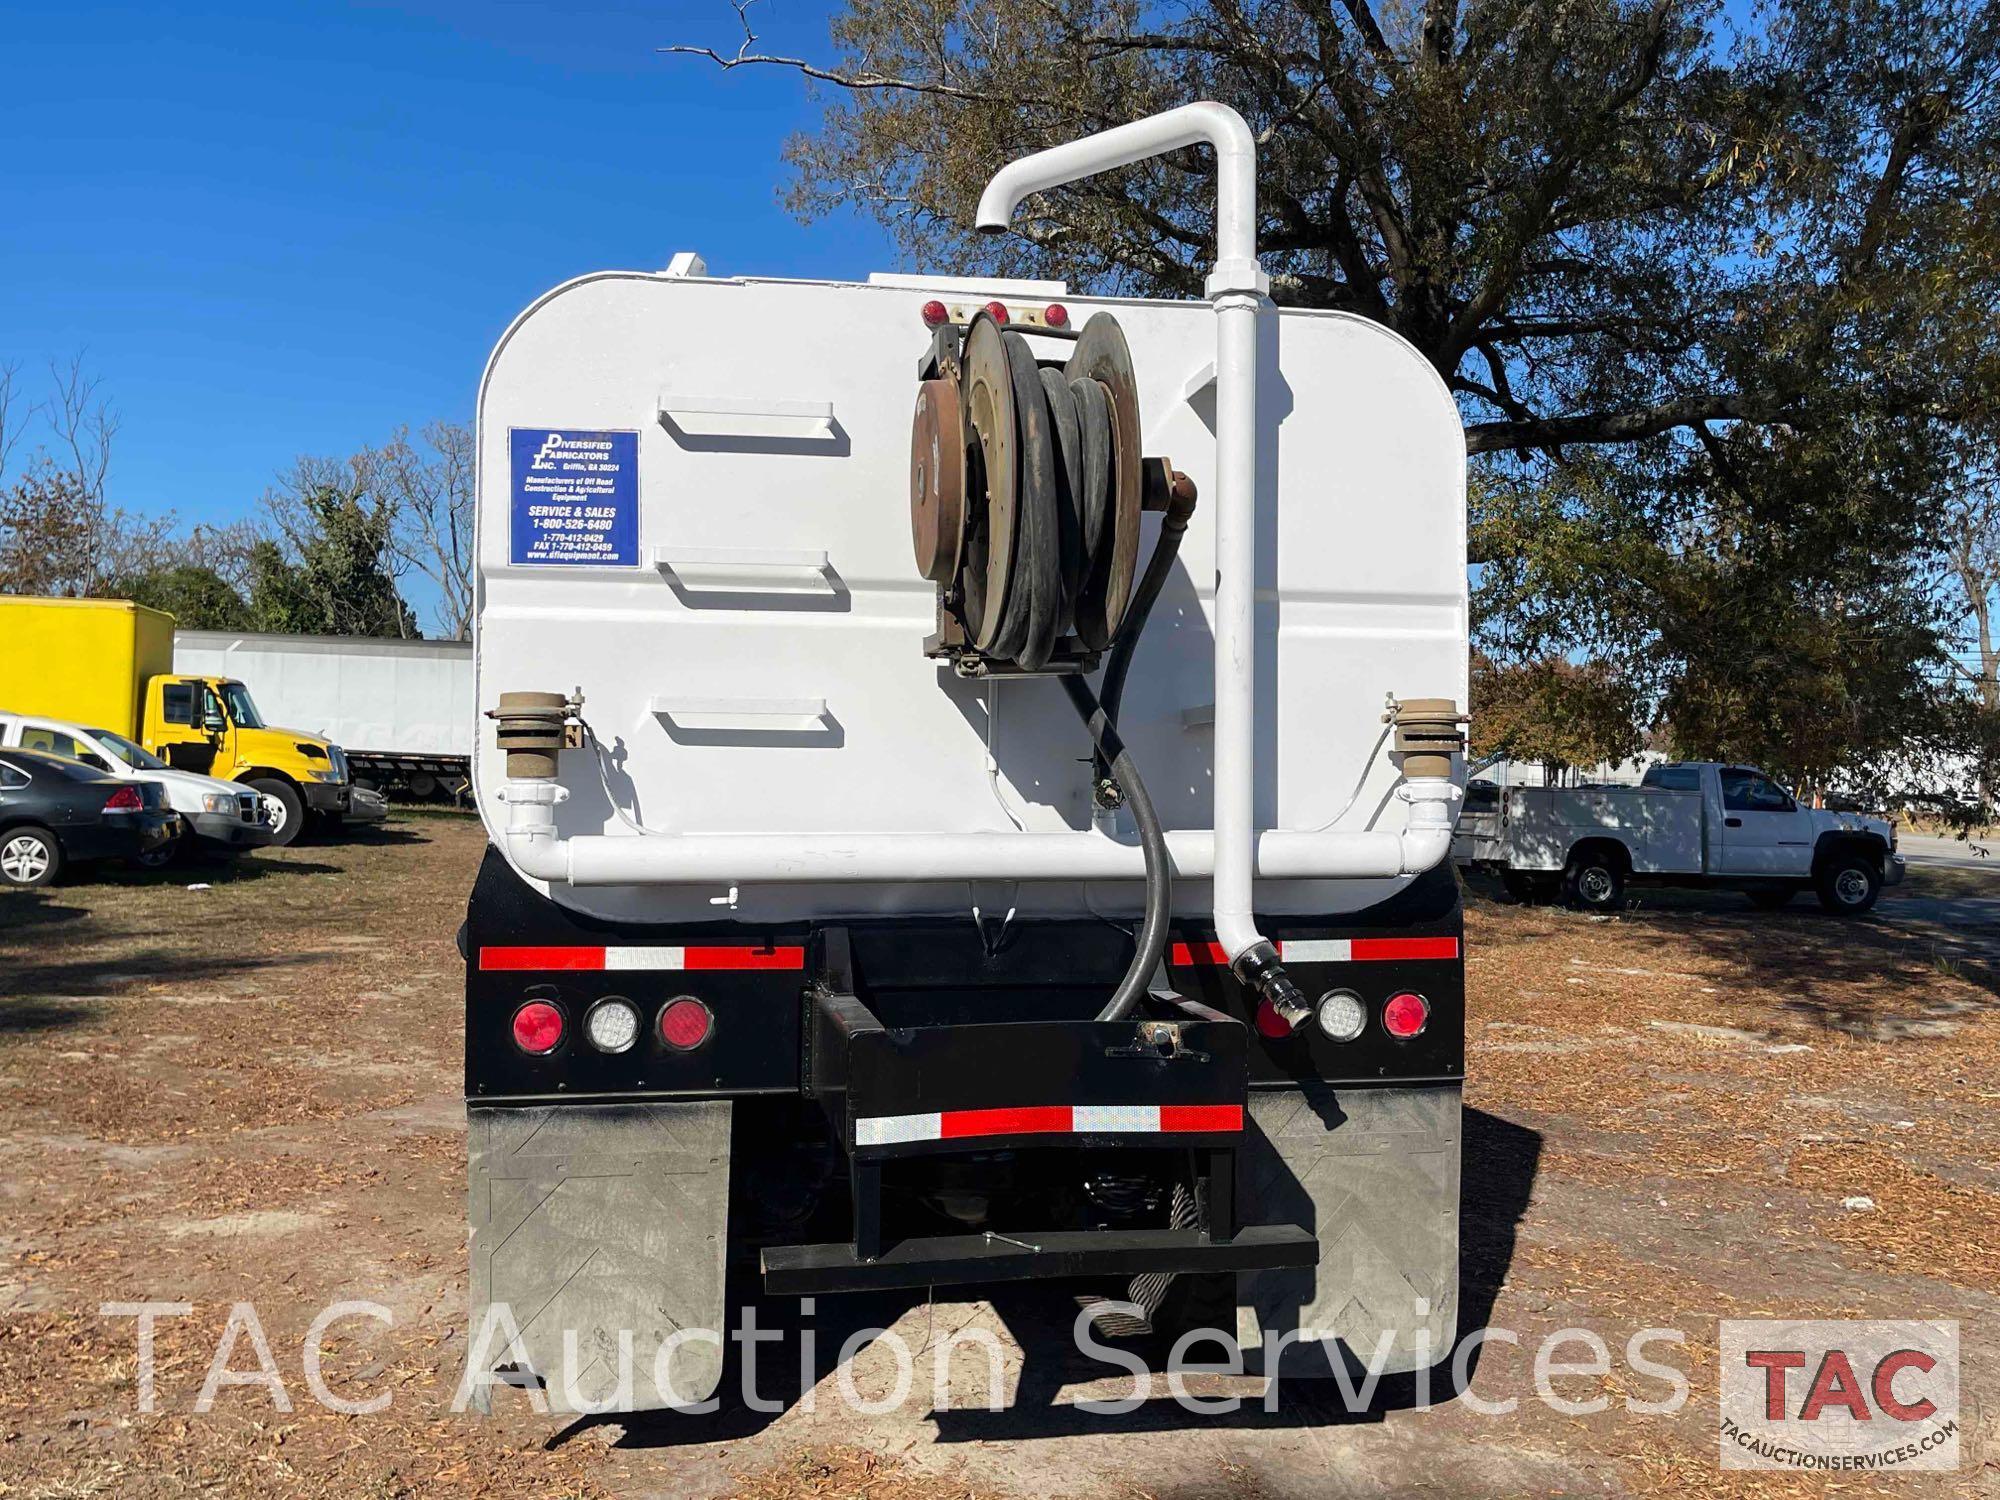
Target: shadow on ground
{"type": "Point", "coordinates": [20, 910]}
{"type": "Point", "coordinates": [1851, 974]}
{"type": "Point", "coordinates": [243, 870]}
{"type": "Point", "coordinates": [88, 975]}
{"type": "Point", "coordinates": [27, 1017]}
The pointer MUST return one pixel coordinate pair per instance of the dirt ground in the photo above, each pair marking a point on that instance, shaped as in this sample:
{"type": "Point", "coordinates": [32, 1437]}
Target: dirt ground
{"type": "Point", "coordinates": [240, 1085]}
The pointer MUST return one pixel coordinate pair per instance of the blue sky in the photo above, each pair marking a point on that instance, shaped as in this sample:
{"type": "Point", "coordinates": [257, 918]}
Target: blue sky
{"type": "Point", "coordinates": [284, 228]}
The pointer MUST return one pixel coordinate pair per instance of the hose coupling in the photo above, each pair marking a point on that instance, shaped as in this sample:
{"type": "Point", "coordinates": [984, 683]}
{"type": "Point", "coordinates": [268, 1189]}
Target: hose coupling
{"type": "Point", "coordinates": [1282, 1007]}
{"type": "Point", "coordinates": [1428, 736]}
{"type": "Point", "coordinates": [531, 730]}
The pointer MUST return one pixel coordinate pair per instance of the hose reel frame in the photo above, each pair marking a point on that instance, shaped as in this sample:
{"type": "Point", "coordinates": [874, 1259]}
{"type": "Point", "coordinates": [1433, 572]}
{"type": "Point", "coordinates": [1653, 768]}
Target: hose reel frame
{"type": "Point", "coordinates": [1031, 531]}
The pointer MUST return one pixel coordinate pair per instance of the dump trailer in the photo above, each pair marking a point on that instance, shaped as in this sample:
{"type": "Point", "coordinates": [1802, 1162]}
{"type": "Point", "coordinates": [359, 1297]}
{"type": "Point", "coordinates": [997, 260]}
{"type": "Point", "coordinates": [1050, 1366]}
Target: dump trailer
{"type": "Point", "coordinates": [108, 664]}
{"type": "Point", "coordinates": [402, 710]}
{"type": "Point", "coordinates": [969, 771]}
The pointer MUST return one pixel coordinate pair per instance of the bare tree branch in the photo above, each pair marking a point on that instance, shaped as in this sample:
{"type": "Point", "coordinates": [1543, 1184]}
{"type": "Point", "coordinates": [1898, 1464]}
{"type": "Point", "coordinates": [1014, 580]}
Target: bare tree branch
{"type": "Point", "coordinates": [1626, 426]}
{"type": "Point", "coordinates": [84, 422]}
{"type": "Point", "coordinates": [743, 57]}
{"type": "Point", "coordinates": [10, 429]}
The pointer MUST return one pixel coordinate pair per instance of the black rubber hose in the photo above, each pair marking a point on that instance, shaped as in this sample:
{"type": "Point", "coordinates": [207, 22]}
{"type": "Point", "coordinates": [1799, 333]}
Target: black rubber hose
{"type": "Point", "coordinates": [1152, 942]}
{"type": "Point", "coordinates": [1166, 547]}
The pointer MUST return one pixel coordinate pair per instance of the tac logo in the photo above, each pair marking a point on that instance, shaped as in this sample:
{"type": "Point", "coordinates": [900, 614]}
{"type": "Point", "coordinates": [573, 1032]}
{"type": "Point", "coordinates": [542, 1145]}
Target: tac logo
{"type": "Point", "coordinates": [1839, 1395]}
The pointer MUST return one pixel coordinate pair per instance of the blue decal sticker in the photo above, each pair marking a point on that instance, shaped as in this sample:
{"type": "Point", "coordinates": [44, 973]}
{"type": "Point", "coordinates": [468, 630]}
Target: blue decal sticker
{"type": "Point", "coordinates": [576, 497]}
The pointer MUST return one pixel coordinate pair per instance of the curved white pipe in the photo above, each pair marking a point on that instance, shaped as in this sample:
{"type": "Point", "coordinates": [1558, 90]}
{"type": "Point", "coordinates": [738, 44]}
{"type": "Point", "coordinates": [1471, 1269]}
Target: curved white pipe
{"type": "Point", "coordinates": [1237, 287]}
{"type": "Point", "coordinates": [1205, 123]}
{"type": "Point", "coordinates": [892, 858]}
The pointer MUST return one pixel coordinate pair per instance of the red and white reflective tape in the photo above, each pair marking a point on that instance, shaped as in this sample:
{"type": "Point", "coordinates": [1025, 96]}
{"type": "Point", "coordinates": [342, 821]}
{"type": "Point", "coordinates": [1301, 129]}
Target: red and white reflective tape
{"type": "Point", "coordinates": [664, 959]}
{"type": "Point", "coordinates": [1326, 950]}
{"type": "Point", "coordinates": [1049, 1119]}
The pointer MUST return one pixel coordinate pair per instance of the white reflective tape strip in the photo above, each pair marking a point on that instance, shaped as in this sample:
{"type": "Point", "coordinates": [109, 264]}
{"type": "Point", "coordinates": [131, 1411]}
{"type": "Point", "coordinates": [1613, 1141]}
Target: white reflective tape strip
{"type": "Point", "coordinates": [645, 958]}
{"type": "Point", "coordinates": [894, 1130]}
{"type": "Point", "coordinates": [1316, 950]}
{"type": "Point", "coordinates": [1120, 1118]}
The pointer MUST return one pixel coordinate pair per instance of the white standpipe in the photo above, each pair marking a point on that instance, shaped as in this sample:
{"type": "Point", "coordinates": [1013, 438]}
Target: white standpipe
{"type": "Point", "coordinates": [1236, 287]}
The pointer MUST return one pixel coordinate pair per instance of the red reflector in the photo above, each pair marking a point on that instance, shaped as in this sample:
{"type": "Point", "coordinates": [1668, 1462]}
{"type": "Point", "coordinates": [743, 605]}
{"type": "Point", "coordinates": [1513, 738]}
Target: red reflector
{"type": "Point", "coordinates": [1381, 950]}
{"type": "Point", "coordinates": [934, 314]}
{"type": "Point", "coordinates": [1201, 1117]}
{"type": "Point", "coordinates": [998, 310]}
{"type": "Point", "coordinates": [1057, 315]}
{"type": "Point", "coordinates": [685, 1023]}
{"type": "Point", "coordinates": [538, 1026]}
{"type": "Point", "coordinates": [1033, 1119]}
{"type": "Point", "coordinates": [1405, 1015]}
{"type": "Point", "coordinates": [125, 799]}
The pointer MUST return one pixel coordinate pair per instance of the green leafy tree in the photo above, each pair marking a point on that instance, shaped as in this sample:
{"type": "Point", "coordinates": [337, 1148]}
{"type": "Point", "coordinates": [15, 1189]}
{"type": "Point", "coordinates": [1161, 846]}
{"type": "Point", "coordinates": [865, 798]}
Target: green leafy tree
{"type": "Point", "coordinates": [334, 578]}
{"type": "Point", "coordinates": [1558, 713]}
{"type": "Point", "coordinates": [1600, 220]}
{"type": "Point", "coordinates": [1747, 620]}
{"type": "Point", "coordinates": [197, 597]}
{"type": "Point", "coordinates": [1715, 302]}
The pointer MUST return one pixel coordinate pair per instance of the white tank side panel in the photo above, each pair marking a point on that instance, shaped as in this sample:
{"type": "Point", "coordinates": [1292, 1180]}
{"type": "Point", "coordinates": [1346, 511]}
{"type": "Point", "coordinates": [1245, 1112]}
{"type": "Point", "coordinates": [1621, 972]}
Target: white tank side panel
{"type": "Point", "coordinates": [1362, 586]}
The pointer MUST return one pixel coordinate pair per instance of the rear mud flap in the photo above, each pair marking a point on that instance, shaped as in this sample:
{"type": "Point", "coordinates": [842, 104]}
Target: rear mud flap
{"type": "Point", "coordinates": [1374, 1174]}
{"type": "Point", "coordinates": [597, 1227]}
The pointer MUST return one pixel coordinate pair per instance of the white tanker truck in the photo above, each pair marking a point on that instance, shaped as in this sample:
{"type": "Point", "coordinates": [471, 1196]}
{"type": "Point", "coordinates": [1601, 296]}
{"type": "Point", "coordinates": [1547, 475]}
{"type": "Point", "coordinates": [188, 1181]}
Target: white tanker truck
{"type": "Point", "coordinates": [1014, 837]}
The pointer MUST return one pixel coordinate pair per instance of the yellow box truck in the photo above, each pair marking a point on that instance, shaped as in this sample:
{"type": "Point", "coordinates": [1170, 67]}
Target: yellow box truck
{"type": "Point", "coordinates": [109, 664]}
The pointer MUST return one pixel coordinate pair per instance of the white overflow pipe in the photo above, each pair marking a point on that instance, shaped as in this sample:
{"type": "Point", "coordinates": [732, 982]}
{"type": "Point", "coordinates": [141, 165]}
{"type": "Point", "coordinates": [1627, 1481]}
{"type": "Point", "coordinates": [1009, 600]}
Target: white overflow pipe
{"type": "Point", "coordinates": [1236, 287]}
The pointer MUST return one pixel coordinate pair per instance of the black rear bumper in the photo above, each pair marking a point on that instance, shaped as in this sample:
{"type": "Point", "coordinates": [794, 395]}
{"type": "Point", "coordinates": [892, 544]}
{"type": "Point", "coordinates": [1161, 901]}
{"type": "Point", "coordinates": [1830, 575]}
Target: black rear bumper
{"type": "Point", "coordinates": [1173, 1075]}
{"type": "Point", "coordinates": [960, 1260]}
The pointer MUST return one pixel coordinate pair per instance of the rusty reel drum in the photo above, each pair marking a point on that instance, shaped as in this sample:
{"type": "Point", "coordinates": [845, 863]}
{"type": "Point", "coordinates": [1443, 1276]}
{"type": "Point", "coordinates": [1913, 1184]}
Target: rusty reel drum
{"type": "Point", "coordinates": [1026, 483]}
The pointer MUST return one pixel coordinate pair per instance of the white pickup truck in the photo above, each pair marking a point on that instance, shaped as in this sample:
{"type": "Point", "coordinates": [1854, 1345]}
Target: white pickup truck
{"type": "Point", "coordinates": [1686, 823]}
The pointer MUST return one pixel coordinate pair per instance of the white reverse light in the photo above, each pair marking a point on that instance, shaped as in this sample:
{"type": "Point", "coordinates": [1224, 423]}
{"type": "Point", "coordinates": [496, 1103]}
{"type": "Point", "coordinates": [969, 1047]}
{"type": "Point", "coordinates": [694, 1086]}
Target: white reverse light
{"type": "Point", "coordinates": [1342, 1016]}
{"type": "Point", "coordinates": [612, 1025]}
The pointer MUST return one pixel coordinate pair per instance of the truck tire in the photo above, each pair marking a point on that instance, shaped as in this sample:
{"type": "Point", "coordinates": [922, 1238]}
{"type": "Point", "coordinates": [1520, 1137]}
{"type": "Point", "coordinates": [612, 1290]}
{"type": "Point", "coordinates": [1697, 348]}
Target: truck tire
{"type": "Point", "coordinates": [1594, 881]}
{"type": "Point", "coordinates": [291, 820]}
{"type": "Point", "coordinates": [29, 856]}
{"type": "Point", "coordinates": [1848, 883]}
{"type": "Point", "coordinates": [1771, 898]}
{"type": "Point", "coordinates": [1527, 889]}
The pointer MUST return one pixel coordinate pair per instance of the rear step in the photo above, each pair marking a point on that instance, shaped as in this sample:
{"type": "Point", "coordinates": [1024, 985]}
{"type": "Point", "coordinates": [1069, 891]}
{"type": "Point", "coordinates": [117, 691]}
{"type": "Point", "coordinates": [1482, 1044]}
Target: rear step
{"type": "Point", "coordinates": [955, 1260]}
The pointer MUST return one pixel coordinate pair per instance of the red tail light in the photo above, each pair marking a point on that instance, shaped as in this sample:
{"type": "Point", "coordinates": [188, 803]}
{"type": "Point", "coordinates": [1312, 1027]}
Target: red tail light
{"type": "Point", "coordinates": [998, 310]}
{"type": "Point", "coordinates": [934, 314]}
{"type": "Point", "coordinates": [685, 1023]}
{"type": "Point", "coordinates": [125, 799]}
{"type": "Point", "coordinates": [1406, 1015]}
{"type": "Point", "coordinates": [538, 1027]}
{"type": "Point", "coordinates": [1056, 315]}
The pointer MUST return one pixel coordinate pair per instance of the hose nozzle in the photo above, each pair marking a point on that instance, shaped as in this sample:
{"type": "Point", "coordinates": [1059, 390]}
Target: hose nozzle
{"type": "Point", "coordinates": [1282, 1008]}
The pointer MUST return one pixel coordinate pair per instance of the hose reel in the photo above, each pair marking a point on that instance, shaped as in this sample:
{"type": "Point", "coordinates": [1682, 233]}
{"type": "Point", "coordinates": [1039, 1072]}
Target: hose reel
{"type": "Point", "coordinates": [1026, 486]}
